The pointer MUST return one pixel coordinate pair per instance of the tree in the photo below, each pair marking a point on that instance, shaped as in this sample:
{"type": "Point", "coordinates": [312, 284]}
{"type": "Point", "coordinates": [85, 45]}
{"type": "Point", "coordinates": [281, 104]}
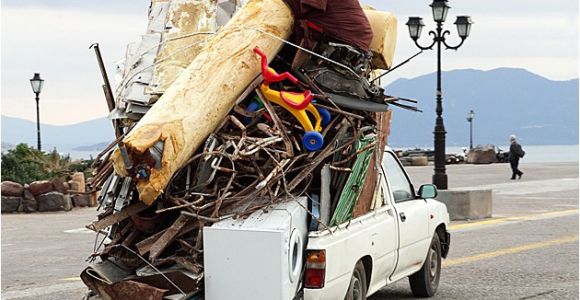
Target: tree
{"type": "Point", "coordinates": [23, 164]}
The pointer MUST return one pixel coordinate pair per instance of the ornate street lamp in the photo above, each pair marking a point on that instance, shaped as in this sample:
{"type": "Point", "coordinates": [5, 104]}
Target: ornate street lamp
{"type": "Point", "coordinates": [36, 82]}
{"type": "Point", "coordinates": [470, 116]}
{"type": "Point", "coordinates": [415, 25]}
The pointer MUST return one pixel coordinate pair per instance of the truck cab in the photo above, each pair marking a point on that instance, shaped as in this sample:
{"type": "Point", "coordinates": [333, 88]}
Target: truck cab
{"type": "Point", "coordinates": [405, 235]}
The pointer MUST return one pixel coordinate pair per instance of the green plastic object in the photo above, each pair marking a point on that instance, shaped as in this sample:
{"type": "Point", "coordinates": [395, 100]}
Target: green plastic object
{"type": "Point", "coordinates": [353, 186]}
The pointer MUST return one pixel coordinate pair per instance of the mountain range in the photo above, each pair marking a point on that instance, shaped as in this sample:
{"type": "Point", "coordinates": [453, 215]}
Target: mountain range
{"type": "Point", "coordinates": [506, 101]}
{"type": "Point", "coordinates": [65, 138]}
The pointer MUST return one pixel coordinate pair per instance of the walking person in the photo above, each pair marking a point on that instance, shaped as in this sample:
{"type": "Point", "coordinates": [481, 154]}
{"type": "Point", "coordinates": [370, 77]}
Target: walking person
{"type": "Point", "coordinates": [516, 152]}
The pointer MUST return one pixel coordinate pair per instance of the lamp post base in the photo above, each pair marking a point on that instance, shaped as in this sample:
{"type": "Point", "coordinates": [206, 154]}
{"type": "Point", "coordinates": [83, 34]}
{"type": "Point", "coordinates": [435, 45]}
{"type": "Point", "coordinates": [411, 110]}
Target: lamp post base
{"type": "Point", "coordinates": [440, 181]}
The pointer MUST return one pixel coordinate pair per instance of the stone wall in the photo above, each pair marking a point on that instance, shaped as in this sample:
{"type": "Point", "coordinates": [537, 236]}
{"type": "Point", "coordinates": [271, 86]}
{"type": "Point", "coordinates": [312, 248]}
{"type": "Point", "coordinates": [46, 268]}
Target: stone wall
{"type": "Point", "coordinates": [45, 195]}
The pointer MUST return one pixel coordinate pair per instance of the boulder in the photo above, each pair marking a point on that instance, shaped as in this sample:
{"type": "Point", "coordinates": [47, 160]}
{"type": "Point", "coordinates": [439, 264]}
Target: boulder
{"type": "Point", "coordinates": [74, 186]}
{"type": "Point", "coordinates": [68, 205]}
{"type": "Point", "coordinates": [79, 178]}
{"type": "Point", "coordinates": [81, 200]}
{"type": "Point", "coordinates": [29, 203]}
{"type": "Point", "coordinates": [10, 204]}
{"type": "Point", "coordinates": [419, 160]}
{"type": "Point", "coordinates": [52, 201]}
{"type": "Point", "coordinates": [11, 188]}
{"type": "Point", "coordinates": [94, 197]}
{"type": "Point", "coordinates": [482, 154]}
{"type": "Point", "coordinates": [40, 187]}
{"type": "Point", "coordinates": [59, 185]}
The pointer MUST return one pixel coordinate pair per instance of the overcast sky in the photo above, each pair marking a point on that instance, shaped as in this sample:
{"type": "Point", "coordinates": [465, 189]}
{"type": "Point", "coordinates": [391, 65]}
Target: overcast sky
{"type": "Point", "coordinates": [52, 37]}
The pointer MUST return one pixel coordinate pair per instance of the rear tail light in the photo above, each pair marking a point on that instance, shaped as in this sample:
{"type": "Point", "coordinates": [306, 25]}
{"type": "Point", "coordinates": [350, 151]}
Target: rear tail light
{"type": "Point", "coordinates": [315, 269]}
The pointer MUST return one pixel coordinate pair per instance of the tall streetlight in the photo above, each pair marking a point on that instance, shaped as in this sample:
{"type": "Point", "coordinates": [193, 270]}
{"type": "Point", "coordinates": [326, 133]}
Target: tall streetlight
{"type": "Point", "coordinates": [470, 116]}
{"type": "Point", "coordinates": [415, 24]}
{"type": "Point", "coordinates": [36, 82]}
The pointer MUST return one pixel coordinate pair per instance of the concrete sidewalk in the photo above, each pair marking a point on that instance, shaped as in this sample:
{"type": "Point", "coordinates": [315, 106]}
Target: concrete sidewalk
{"type": "Point", "coordinates": [544, 186]}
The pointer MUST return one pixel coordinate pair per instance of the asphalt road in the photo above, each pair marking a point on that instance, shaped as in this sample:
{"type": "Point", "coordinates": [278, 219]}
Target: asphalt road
{"type": "Point", "coordinates": [529, 250]}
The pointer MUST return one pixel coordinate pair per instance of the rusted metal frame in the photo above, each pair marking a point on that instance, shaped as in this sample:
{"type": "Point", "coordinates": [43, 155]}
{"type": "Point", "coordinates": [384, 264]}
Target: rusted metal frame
{"type": "Point", "coordinates": [204, 218]}
{"type": "Point", "coordinates": [220, 200]}
{"type": "Point", "coordinates": [167, 237]}
{"type": "Point", "coordinates": [340, 111]}
{"type": "Point", "coordinates": [306, 165]}
{"type": "Point", "coordinates": [330, 126]}
{"type": "Point", "coordinates": [131, 238]}
{"type": "Point", "coordinates": [109, 147]}
{"type": "Point", "coordinates": [192, 159]}
{"type": "Point", "coordinates": [251, 87]}
{"type": "Point", "coordinates": [101, 177]}
{"type": "Point", "coordinates": [260, 145]}
{"type": "Point", "coordinates": [190, 204]}
{"type": "Point", "coordinates": [277, 122]}
{"type": "Point", "coordinates": [118, 217]}
{"type": "Point", "coordinates": [115, 241]}
{"type": "Point", "coordinates": [329, 150]}
{"type": "Point", "coordinates": [145, 245]}
{"type": "Point", "coordinates": [278, 169]}
{"type": "Point", "coordinates": [361, 150]}
{"type": "Point", "coordinates": [187, 245]}
{"type": "Point", "coordinates": [152, 266]}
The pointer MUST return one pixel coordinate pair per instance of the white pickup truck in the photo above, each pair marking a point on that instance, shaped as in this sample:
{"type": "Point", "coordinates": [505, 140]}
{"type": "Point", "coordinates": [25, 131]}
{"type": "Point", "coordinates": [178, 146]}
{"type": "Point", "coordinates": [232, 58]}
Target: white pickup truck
{"type": "Point", "coordinates": [271, 255]}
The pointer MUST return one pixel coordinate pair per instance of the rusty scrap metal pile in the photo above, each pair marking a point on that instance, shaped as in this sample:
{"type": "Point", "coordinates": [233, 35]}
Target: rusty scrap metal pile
{"type": "Point", "coordinates": [255, 158]}
{"type": "Point", "coordinates": [316, 131]}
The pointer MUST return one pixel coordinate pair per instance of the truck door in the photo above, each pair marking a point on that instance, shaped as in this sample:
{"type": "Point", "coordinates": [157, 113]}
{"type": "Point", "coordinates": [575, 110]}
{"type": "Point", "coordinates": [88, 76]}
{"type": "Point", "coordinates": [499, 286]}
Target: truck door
{"type": "Point", "coordinates": [384, 238]}
{"type": "Point", "coordinates": [412, 217]}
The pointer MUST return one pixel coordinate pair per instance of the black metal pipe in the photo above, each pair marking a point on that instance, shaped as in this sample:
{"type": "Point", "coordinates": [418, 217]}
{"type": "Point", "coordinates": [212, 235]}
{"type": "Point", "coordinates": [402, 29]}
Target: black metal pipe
{"type": "Point", "coordinates": [470, 134]}
{"type": "Point", "coordinates": [106, 87]}
{"type": "Point", "coordinates": [38, 122]}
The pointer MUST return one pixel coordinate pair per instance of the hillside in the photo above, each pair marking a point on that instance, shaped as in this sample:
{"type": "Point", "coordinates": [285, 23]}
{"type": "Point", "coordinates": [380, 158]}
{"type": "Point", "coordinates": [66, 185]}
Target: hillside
{"type": "Point", "coordinates": [64, 138]}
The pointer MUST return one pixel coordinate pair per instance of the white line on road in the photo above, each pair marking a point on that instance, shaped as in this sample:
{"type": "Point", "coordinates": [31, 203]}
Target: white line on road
{"type": "Point", "coordinates": [79, 230]}
{"type": "Point", "coordinates": [44, 290]}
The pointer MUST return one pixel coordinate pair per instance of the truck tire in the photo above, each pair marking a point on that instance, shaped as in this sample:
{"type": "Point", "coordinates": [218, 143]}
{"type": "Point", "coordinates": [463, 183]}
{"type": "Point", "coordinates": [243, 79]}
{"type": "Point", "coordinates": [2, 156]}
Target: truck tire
{"type": "Point", "coordinates": [424, 283]}
{"type": "Point", "coordinates": [357, 289]}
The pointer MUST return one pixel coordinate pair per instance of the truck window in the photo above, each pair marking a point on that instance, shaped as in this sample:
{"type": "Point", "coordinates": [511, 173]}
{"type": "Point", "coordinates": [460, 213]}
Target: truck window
{"type": "Point", "coordinates": [400, 185]}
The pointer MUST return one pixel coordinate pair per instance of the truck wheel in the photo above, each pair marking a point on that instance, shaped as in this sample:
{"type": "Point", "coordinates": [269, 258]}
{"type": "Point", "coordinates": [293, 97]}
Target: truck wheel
{"type": "Point", "coordinates": [357, 289]}
{"type": "Point", "coordinates": [424, 283]}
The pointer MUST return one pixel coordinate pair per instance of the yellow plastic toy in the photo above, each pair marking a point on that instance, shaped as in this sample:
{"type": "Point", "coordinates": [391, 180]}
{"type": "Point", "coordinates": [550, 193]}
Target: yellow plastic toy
{"type": "Point", "coordinates": [298, 104]}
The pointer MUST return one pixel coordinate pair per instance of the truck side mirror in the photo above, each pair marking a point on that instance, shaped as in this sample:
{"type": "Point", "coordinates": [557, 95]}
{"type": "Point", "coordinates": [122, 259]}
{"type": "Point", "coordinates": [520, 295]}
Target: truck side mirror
{"type": "Point", "coordinates": [428, 191]}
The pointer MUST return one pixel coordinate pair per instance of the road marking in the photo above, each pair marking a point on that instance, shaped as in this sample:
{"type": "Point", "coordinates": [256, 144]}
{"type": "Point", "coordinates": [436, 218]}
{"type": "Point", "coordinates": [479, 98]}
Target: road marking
{"type": "Point", "coordinates": [44, 290]}
{"type": "Point", "coordinates": [79, 230]}
{"type": "Point", "coordinates": [498, 221]}
{"type": "Point", "coordinates": [71, 279]}
{"type": "Point", "coordinates": [506, 251]}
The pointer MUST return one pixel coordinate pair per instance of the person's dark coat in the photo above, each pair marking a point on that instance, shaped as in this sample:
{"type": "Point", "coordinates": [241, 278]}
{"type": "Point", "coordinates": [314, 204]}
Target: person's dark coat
{"type": "Point", "coordinates": [516, 152]}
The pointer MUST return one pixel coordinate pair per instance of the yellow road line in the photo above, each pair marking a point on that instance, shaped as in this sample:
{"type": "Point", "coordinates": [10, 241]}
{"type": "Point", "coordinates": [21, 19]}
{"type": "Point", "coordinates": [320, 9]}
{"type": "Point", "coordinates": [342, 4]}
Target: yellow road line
{"type": "Point", "coordinates": [506, 251]}
{"type": "Point", "coordinates": [547, 215]}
